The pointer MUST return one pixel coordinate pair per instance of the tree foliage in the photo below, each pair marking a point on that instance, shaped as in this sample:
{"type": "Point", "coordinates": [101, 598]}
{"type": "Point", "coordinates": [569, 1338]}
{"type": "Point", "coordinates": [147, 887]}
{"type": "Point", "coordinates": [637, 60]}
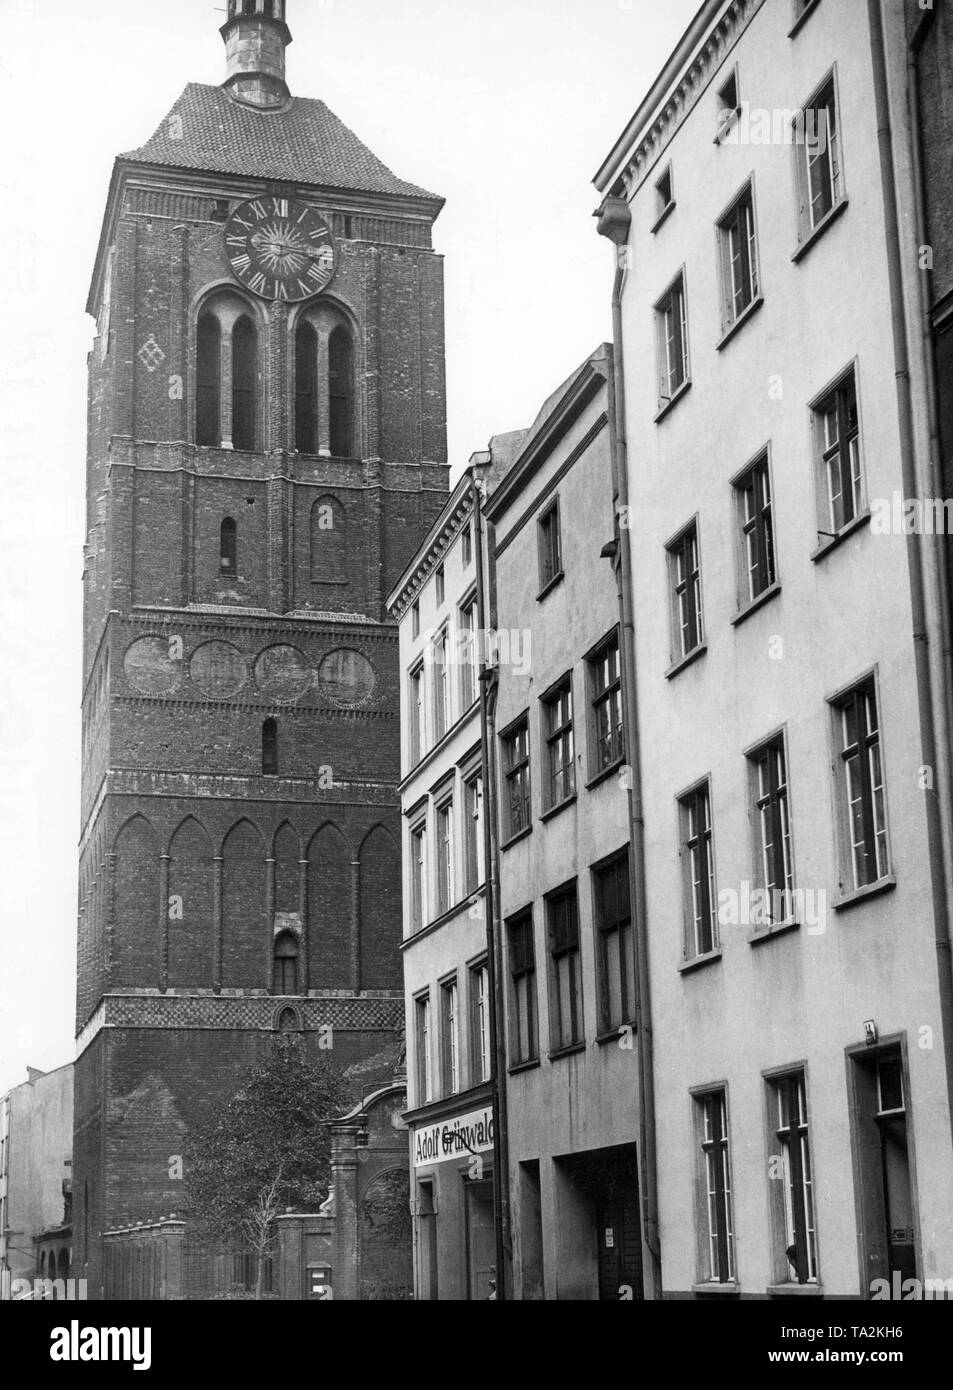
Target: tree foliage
{"type": "Point", "coordinates": [266, 1149]}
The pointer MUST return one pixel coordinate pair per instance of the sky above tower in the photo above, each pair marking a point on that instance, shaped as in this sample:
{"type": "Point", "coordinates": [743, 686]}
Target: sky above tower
{"type": "Point", "coordinates": [505, 107]}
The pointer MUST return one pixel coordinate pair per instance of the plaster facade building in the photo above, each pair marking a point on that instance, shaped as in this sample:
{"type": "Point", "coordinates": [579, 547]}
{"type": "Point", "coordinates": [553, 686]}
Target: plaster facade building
{"type": "Point", "coordinates": [36, 1144]}
{"type": "Point", "coordinates": [792, 691]}
{"type": "Point", "coordinates": [266, 448]}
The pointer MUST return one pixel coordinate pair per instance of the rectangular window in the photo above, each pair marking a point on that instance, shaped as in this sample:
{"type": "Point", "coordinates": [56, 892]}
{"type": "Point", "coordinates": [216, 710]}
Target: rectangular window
{"type": "Point", "coordinates": [615, 957]}
{"type": "Point", "coordinates": [686, 593]}
{"type": "Point", "coordinates": [699, 872]}
{"type": "Point", "coordinates": [418, 876]}
{"type": "Point", "coordinates": [861, 779]}
{"type": "Point", "coordinates": [560, 783]}
{"type": "Point", "coordinates": [480, 1060]}
{"type": "Point", "coordinates": [605, 695]}
{"type": "Point", "coordinates": [729, 105]}
{"type": "Point", "coordinates": [466, 643]}
{"type": "Point", "coordinates": [415, 618]}
{"type": "Point", "coordinates": [794, 1218]}
{"type": "Point", "coordinates": [440, 584]}
{"type": "Point", "coordinates": [467, 545]}
{"type": "Point", "coordinates": [418, 733]}
{"type": "Point", "coordinates": [837, 449]}
{"type": "Point", "coordinates": [424, 1065]}
{"type": "Point", "coordinates": [524, 1023]}
{"type": "Point", "coordinates": [517, 811]}
{"type": "Point", "coordinates": [550, 547]}
{"type": "Point", "coordinates": [756, 530]}
{"type": "Point", "coordinates": [473, 829]}
{"type": "Point", "coordinates": [664, 196]}
{"type": "Point", "coordinates": [441, 684]}
{"type": "Point", "coordinates": [449, 1037]}
{"type": "Point", "coordinates": [445, 893]}
{"type": "Point", "coordinates": [565, 981]}
{"type": "Point", "coordinates": [775, 869]}
{"type": "Point", "coordinates": [672, 330]}
{"type": "Point", "coordinates": [817, 152]}
{"type": "Point", "coordinates": [718, 1264]}
{"type": "Point", "coordinates": [737, 240]}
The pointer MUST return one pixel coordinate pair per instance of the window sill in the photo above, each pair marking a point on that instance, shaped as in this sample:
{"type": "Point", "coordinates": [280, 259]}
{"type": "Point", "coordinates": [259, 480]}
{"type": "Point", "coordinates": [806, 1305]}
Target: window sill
{"type": "Point", "coordinates": [832, 542]}
{"type": "Point", "coordinates": [561, 806]}
{"type": "Point", "coordinates": [685, 661]}
{"type": "Point", "coordinates": [795, 1291]}
{"type": "Point", "coordinates": [761, 934]}
{"type": "Point", "coordinates": [739, 323]}
{"type": "Point", "coordinates": [568, 1051]}
{"type": "Point", "coordinates": [606, 772]}
{"type": "Point", "coordinates": [820, 229]}
{"type": "Point", "coordinates": [668, 405]}
{"type": "Point", "coordinates": [515, 839]}
{"type": "Point", "coordinates": [803, 17]}
{"type": "Point", "coordinates": [699, 962]}
{"type": "Point", "coordinates": [729, 1290]}
{"type": "Point", "coordinates": [663, 216]}
{"type": "Point", "coordinates": [519, 1067]}
{"type": "Point", "coordinates": [604, 1039]}
{"type": "Point", "coordinates": [870, 890]}
{"type": "Point", "coordinates": [550, 586]}
{"type": "Point", "coordinates": [764, 597]}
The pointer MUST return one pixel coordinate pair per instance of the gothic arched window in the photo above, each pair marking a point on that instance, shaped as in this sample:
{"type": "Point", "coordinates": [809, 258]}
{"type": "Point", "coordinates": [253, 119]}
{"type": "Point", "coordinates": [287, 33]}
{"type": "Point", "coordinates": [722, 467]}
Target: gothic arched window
{"type": "Point", "coordinates": [226, 413]}
{"type": "Point", "coordinates": [208, 374]}
{"type": "Point", "coordinates": [286, 964]}
{"type": "Point", "coordinates": [328, 542]}
{"type": "Point", "coordinates": [306, 381]}
{"type": "Point", "coordinates": [324, 384]}
{"type": "Point", "coordinates": [341, 392]}
{"type": "Point", "coordinates": [228, 547]}
{"type": "Point", "coordinates": [269, 748]}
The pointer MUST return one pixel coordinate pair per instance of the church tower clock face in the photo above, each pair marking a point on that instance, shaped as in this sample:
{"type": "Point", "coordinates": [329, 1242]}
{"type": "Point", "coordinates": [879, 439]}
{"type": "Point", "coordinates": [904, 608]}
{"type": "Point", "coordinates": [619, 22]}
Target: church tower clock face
{"type": "Point", "coordinates": [280, 248]}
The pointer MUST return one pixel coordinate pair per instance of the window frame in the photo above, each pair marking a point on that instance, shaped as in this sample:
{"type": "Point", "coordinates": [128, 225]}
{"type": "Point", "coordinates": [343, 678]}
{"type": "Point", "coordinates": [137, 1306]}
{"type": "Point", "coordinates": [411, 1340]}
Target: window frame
{"type": "Point", "coordinates": [691, 582]}
{"type": "Point", "coordinates": [597, 698]}
{"type": "Point", "coordinates": [549, 552]}
{"type": "Point", "coordinates": [728, 112]}
{"type": "Point", "coordinates": [445, 856]}
{"type": "Point", "coordinates": [423, 1047]}
{"type": "Point", "coordinates": [716, 1239]}
{"type": "Point", "coordinates": [442, 703]}
{"type": "Point", "coordinates": [555, 736]}
{"type": "Point", "coordinates": [440, 584]}
{"type": "Point", "coordinates": [777, 796]}
{"type": "Point", "coordinates": [847, 380]}
{"type": "Point", "coordinates": [663, 211]}
{"type": "Point", "coordinates": [571, 948]}
{"type": "Point", "coordinates": [522, 978]}
{"type": "Point", "coordinates": [810, 229]}
{"type": "Point", "coordinates": [509, 771]}
{"type": "Point", "coordinates": [671, 394]}
{"type": "Point", "coordinates": [761, 526]}
{"type": "Point", "coordinates": [467, 638]}
{"type": "Point", "coordinates": [867, 686]}
{"type": "Point", "coordinates": [803, 9]}
{"type": "Point", "coordinates": [450, 1073]}
{"type": "Point", "coordinates": [732, 317]}
{"type": "Point", "coordinates": [419, 872]}
{"type": "Point", "coordinates": [417, 709]}
{"type": "Point", "coordinates": [478, 998]}
{"type": "Point", "coordinates": [608, 1023]}
{"type": "Point", "coordinates": [474, 786]}
{"type": "Point", "coordinates": [789, 1214]}
{"type": "Point", "coordinates": [694, 947]}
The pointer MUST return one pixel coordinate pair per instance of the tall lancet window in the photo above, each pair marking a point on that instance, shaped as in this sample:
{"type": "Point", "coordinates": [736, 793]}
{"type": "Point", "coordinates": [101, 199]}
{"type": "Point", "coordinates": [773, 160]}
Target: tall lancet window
{"type": "Point", "coordinates": [226, 415]}
{"type": "Point", "coordinates": [228, 563]}
{"type": "Point", "coordinates": [324, 384]}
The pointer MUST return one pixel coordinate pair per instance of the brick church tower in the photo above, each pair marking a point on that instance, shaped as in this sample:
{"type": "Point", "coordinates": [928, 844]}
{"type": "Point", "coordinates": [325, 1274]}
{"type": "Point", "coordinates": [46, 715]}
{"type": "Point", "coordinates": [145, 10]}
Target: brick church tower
{"type": "Point", "coordinates": [267, 447]}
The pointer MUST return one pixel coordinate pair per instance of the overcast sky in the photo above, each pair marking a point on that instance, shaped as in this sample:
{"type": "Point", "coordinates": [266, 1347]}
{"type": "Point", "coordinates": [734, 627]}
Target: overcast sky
{"type": "Point", "coordinates": [506, 107]}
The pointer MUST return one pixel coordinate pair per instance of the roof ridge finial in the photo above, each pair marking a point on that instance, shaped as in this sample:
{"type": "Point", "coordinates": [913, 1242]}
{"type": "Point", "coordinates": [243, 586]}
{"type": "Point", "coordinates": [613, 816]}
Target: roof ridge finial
{"type": "Point", "coordinates": [256, 37]}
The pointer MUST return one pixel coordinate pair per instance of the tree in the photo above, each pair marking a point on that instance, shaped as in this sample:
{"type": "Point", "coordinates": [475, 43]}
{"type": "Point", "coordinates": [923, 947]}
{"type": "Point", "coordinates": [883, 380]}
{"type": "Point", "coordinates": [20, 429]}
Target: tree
{"type": "Point", "coordinates": [264, 1150]}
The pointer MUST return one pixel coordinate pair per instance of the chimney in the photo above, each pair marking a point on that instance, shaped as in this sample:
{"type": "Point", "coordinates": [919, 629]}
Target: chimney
{"type": "Point", "coordinates": [256, 36]}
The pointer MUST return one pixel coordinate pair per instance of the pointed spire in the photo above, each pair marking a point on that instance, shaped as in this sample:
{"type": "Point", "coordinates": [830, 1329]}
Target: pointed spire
{"type": "Point", "coordinates": [256, 37]}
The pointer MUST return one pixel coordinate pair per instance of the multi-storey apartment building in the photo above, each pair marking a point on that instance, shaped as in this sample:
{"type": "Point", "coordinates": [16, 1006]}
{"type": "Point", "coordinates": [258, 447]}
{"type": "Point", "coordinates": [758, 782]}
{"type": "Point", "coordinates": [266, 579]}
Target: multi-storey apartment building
{"type": "Point", "coordinates": [791, 688]}
{"type": "Point", "coordinates": [564, 876]}
{"type": "Point", "coordinates": [36, 1144]}
{"type": "Point", "coordinates": [439, 605]}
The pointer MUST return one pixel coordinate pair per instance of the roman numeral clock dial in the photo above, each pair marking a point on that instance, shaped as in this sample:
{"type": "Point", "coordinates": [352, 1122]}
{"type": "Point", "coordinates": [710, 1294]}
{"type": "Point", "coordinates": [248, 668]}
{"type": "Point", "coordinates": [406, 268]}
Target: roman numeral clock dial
{"type": "Point", "coordinates": [280, 248]}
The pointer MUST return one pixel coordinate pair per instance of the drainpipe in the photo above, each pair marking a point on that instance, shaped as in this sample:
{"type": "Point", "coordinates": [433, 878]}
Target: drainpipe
{"type": "Point", "coordinates": [489, 686]}
{"type": "Point", "coordinates": [614, 222]}
{"type": "Point", "coordinates": [934, 750]}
